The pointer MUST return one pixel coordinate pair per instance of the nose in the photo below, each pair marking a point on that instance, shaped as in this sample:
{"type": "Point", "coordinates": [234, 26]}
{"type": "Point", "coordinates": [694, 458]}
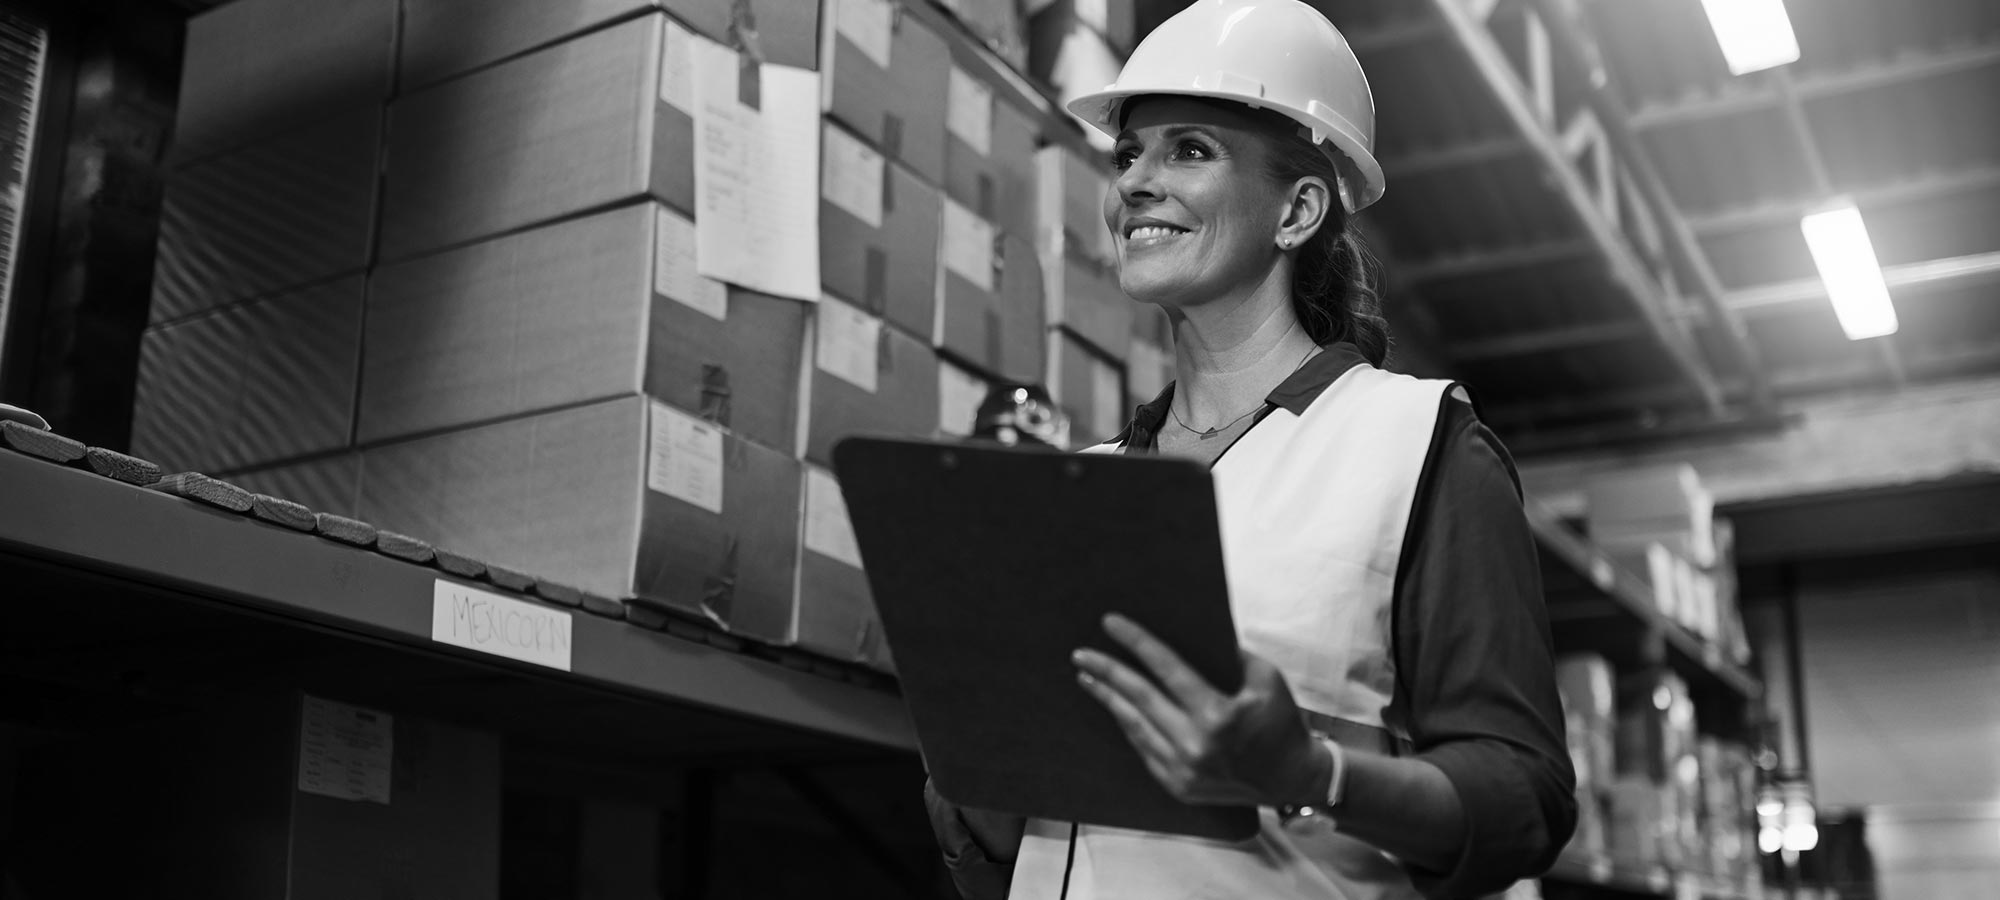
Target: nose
{"type": "Point", "coordinates": [1140, 182]}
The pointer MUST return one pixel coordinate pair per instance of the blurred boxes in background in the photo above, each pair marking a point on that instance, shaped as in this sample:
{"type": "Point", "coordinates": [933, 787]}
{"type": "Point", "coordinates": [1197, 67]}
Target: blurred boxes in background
{"type": "Point", "coordinates": [254, 383]}
{"type": "Point", "coordinates": [442, 38]}
{"type": "Point", "coordinates": [867, 378]}
{"type": "Point", "coordinates": [836, 613]}
{"type": "Point", "coordinates": [878, 233]}
{"type": "Point", "coordinates": [1089, 389]}
{"type": "Point", "coordinates": [1589, 699]}
{"type": "Point", "coordinates": [960, 391]}
{"type": "Point", "coordinates": [990, 298]}
{"type": "Point", "coordinates": [996, 23]}
{"type": "Point", "coordinates": [1662, 504]}
{"type": "Point", "coordinates": [885, 76]}
{"type": "Point", "coordinates": [572, 127]}
{"type": "Point", "coordinates": [1079, 256]}
{"type": "Point", "coordinates": [1656, 743]}
{"type": "Point", "coordinates": [583, 310]}
{"type": "Point", "coordinates": [989, 155]}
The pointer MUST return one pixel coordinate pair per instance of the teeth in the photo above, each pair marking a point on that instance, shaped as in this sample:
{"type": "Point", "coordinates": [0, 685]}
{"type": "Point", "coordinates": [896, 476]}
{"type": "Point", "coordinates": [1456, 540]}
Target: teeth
{"type": "Point", "coordinates": [1152, 232]}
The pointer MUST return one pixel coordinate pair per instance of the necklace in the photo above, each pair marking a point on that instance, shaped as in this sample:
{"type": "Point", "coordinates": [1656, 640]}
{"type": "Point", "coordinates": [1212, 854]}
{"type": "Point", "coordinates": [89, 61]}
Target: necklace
{"type": "Point", "coordinates": [1232, 422]}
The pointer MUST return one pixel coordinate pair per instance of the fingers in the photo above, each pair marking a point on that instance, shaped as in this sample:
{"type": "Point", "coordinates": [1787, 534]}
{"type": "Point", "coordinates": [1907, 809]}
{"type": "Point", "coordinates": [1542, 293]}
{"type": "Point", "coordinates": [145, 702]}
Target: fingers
{"type": "Point", "coordinates": [1186, 685]}
{"type": "Point", "coordinates": [1110, 678]}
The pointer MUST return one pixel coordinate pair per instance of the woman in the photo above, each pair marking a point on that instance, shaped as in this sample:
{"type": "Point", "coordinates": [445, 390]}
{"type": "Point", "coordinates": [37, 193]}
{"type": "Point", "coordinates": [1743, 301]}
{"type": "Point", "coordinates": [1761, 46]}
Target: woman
{"type": "Point", "coordinates": [1399, 724]}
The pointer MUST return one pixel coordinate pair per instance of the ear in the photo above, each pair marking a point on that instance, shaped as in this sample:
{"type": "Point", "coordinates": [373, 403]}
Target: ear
{"type": "Point", "coordinates": [1308, 205]}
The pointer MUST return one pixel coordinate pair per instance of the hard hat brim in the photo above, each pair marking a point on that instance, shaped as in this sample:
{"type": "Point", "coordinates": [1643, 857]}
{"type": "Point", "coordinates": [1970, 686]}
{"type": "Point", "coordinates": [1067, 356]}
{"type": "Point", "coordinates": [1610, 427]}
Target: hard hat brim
{"type": "Point", "coordinates": [1101, 109]}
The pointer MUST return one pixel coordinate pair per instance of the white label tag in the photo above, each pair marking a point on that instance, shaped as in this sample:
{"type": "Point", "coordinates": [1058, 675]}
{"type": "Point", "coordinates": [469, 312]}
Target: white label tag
{"type": "Point", "coordinates": [756, 174]}
{"type": "Point", "coordinates": [959, 395]}
{"type": "Point", "coordinates": [969, 113]}
{"type": "Point", "coordinates": [685, 461]}
{"type": "Point", "coordinates": [869, 24]}
{"type": "Point", "coordinates": [674, 273]}
{"type": "Point", "coordinates": [502, 626]}
{"type": "Point", "coordinates": [346, 752]}
{"type": "Point", "coordinates": [828, 531]}
{"type": "Point", "coordinates": [847, 344]}
{"type": "Point", "coordinates": [677, 68]}
{"type": "Point", "coordinates": [851, 175]}
{"type": "Point", "coordinates": [968, 245]}
{"type": "Point", "coordinates": [1107, 401]}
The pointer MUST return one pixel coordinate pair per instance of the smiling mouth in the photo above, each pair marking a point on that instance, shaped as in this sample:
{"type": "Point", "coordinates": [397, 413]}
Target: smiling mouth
{"type": "Point", "coordinates": [1153, 234]}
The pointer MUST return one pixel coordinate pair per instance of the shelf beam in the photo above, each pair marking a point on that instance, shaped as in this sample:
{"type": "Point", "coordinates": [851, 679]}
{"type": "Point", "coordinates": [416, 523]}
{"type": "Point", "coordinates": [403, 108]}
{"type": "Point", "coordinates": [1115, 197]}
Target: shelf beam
{"type": "Point", "coordinates": [1813, 87]}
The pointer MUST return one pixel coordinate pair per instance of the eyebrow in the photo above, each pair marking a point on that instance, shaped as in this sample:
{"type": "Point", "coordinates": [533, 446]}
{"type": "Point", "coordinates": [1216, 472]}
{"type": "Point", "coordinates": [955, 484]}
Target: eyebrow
{"type": "Point", "coordinates": [1174, 131]}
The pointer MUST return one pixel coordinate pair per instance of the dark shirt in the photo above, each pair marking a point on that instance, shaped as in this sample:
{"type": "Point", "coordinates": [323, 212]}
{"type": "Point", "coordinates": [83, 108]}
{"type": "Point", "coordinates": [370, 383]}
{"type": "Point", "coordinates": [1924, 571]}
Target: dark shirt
{"type": "Point", "coordinates": [1475, 677]}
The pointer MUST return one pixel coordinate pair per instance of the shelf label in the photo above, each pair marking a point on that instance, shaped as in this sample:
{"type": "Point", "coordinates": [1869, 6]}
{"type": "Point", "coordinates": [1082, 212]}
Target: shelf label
{"type": "Point", "coordinates": [502, 626]}
{"type": "Point", "coordinates": [345, 752]}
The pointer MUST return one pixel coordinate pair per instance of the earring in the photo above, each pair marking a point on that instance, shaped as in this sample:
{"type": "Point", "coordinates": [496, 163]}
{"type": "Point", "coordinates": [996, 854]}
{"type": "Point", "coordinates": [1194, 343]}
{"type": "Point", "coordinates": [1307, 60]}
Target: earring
{"type": "Point", "coordinates": [1286, 243]}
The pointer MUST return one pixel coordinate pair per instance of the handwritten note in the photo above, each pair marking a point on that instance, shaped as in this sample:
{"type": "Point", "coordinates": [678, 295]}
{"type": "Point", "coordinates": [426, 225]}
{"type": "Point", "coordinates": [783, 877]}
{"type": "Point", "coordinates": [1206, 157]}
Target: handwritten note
{"type": "Point", "coordinates": [756, 174]}
{"type": "Point", "coordinates": [969, 111]}
{"type": "Point", "coordinates": [684, 459]}
{"type": "Point", "coordinates": [851, 175]}
{"type": "Point", "coordinates": [500, 625]}
{"type": "Point", "coordinates": [968, 245]}
{"type": "Point", "coordinates": [869, 24]}
{"type": "Point", "coordinates": [675, 274]}
{"type": "Point", "coordinates": [677, 68]}
{"type": "Point", "coordinates": [959, 395]}
{"type": "Point", "coordinates": [847, 343]}
{"type": "Point", "coordinates": [829, 533]}
{"type": "Point", "coordinates": [345, 752]}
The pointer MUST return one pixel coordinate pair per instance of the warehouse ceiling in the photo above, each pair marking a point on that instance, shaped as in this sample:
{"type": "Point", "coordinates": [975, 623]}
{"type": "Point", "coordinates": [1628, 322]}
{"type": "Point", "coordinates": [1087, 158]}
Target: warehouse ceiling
{"type": "Point", "coordinates": [1600, 225]}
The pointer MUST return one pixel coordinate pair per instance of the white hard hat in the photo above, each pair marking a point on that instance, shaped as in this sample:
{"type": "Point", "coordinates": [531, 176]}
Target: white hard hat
{"type": "Point", "coordinates": [1280, 55]}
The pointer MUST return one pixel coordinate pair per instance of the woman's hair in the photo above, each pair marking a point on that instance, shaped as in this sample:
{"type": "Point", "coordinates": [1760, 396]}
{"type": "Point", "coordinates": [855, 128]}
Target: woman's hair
{"type": "Point", "coordinates": [1333, 282]}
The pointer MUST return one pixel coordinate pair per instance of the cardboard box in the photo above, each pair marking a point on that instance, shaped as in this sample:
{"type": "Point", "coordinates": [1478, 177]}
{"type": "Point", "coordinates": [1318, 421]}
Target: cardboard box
{"type": "Point", "coordinates": [1589, 697]}
{"type": "Point", "coordinates": [885, 76]}
{"type": "Point", "coordinates": [867, 378]}
{"type": "Point", "coordinates": [1116, 21]}
{"type": "Point", "coordinates": [330, 484]}
{"type": "Point", "coordinates": [989, 155]}
{"type": "Point", "coordinates": [836, 612]}
{"type": "Point", "coordinates": [257, 68]}
{"type": "Point", "coordinates": [1070, 207]}
{"type": "Point", "coordinates": [442, 38]}
{"type": "Point", "coordinates": [1089, 388]}
{"type": "Point", "coordinates": [291, 209]}
{"type": "Point", "coordinates": [997, 24]}
{"type": "Point", "coordinates": [625, 498]}
{"type": "Point", "coordinates": [1079, 256]}
{"type": "Point", "coordinates": [1664, 504]}
{"type": "Point", "coordinates": [883, 253]}
{"type": "Point", "coordinates": [258, 382]}
{"type": "Point", "coordinates": [572, 127]}
{"type": "Point", "coordinates": [960, 391]}
{"type": "Point", "coordinates": [990, 312]}
{"type": "Point", "coordinates": [578, 311]}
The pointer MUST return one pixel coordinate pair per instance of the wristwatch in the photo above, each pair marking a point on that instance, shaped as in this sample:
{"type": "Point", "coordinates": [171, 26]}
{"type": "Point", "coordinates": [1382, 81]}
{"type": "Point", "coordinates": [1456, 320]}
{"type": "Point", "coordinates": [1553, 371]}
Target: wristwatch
{"type": "Point", "coordinates": [1333, 785]}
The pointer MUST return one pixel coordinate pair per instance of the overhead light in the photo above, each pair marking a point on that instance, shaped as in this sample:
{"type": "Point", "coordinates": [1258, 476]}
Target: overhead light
{"type": "Point", "coordinates": [1800, 837]}
{"type": "Point", "coordinates": [1840, 248]}
{"type": "Point", "coordinates": [1754, 34]}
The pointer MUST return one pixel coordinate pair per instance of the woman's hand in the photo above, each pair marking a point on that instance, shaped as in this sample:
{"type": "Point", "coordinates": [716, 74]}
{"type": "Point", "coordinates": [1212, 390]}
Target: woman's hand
{"type": "Point", "coordinates": [1204, 746]}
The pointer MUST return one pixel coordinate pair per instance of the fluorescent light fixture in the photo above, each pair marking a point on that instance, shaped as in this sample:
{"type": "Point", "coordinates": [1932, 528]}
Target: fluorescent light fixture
{"type": "Point", "coordinates": [1846, 260]}
{"type": "Point", "coordinates": [1754, 34]}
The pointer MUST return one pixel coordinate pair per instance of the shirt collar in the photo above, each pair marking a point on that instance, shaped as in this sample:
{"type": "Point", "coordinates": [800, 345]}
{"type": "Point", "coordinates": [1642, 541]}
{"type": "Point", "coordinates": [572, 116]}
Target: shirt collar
{"type": "Point", "coordinates": [1293, 395]}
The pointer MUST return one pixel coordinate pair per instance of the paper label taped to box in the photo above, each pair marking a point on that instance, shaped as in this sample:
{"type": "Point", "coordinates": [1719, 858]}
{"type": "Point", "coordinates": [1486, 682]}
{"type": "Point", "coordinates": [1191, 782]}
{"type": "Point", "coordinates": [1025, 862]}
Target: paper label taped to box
{"type": "Point", "coordinates": [968, 245]}
{"type": "Point", "coordinates": [969, 111]}
{"type": "Point", "coordinates": [756, 173]}
{"type": "Point", "coordinates": [346, 752]}
{"type": "Point", "coordinates": [677, 68]}
{"type": "Point", "coordinates": [684, 460]}
{"type": "Point", "coordinates": [675, 275]}
{"type": "Point", "coordinates": [851, 175]}
{"type": "Point", "coordinates": [959, 395]}
{"type": "Point", "coordinates": [848, 344]}
{"type": "Point", "coordinates": [500, 625]}
{"type": "Point", "coordinates": [869, 24]}
{"type": "Point", "coordinates": [829, 533]}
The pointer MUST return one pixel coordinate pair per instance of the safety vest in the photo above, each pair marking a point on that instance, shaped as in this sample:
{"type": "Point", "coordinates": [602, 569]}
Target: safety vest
{"type": "Point", "coordinates": [1313, 509]}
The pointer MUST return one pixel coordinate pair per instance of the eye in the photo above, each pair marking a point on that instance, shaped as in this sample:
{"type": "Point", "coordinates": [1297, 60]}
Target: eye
{"type": "Point", "coordinates": [1193, 150]}
{"type": "Point", "coordinates": [1122, 158]}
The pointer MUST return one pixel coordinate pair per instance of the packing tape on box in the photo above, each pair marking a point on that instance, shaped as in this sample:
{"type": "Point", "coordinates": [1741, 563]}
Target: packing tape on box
{"type": "Point", "coordinates": [718, 588]}
{"type": "Point", "coordinates": [715, 405]}
{"type": "Point", "coordinates": [875, 288]}
{"type": "Point", "coordinates": [885, 359]}
{"type": "Point", "coordinates": [985, 204]}
{"type": "Point", "coordinates": [892, 138]}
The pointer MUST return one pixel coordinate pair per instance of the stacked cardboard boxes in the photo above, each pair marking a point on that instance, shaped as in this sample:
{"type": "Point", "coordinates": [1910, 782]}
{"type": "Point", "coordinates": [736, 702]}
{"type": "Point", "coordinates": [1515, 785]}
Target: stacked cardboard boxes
{"type": "Point", "coordinates": [446, 279]}
{"type": "Point", "coordinates": [1657, 791]}
{"type": "Point", "coordinates": [1587, 686]}
{"type": "Point", "coordinates": [1661, 522]}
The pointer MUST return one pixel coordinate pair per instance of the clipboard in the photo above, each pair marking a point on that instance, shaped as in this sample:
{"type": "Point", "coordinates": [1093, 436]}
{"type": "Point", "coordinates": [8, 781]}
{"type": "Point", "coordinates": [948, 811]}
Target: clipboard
{"type": "Point", "coordinates": [989, 565]}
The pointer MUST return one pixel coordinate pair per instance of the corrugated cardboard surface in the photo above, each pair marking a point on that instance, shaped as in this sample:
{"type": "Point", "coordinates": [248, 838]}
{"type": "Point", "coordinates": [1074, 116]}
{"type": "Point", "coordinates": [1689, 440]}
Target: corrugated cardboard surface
{"type": "Point", "coordinates": [901, 110]}
{"type": "Point", "coordinates": [1000, 185]}
{"type": "Point", "coordinates": [554, 494]}
{"type": "Point", "coordinates": [999, 331]}
{"type": "Point", "coordinates": [904, 403]}
{"type": "Point", "coordinates": [1094, 307]}
{"type": "Point", "coordinates": [288, 210]}
{"type": "Point", "coordinates": [252, 70]}
{"type": "Point", "coordinates": [736, 567]}
{"type": "Point", "coordinates": [530, 321]}
{"type": "Point", "coordinates": [330, 485]}
{"type": "Point", "coordinates": [569, 128]}
{"type": "Point", "coordinates": [258, 382]}
{"type": "Point", "coordinates": [743, 373]}
{"type": "Point", "coordinates": [890, 271]}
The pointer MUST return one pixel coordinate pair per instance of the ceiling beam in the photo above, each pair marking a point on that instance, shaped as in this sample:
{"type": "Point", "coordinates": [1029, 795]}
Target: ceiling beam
{"type": "Point", "coordinates": [1788, 212]}
{"type": "Point", "coordinates": [1458, 156]}
{"type": "Point", "coordinates": [1908, 281]}
{"type": "Point", "coordinates": [1498, 259]}
{"type": "Point", "coordinates": [1826, 84]}
{"type": "Point", "coordinates": [1466, 22]}
{"type": "Point", "coordinates": [1393, 36]}
{"type": "Point", "coordinates": [1673, 233]}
